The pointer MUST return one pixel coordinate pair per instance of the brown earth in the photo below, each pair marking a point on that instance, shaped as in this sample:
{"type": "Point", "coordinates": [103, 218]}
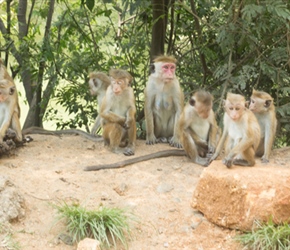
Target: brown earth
{"type": "Point", "coordinates": [49, 170]}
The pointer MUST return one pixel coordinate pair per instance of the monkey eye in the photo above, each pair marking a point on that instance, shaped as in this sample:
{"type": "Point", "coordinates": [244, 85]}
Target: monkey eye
{"type": "Point", "coordinates": [165, 67]}
{"type": "Point", "coordinates": [252, 101]}
{"type": "Point", "coordinates": [231, 108]}
{"type": "Point", "coordinates": [237, 109]}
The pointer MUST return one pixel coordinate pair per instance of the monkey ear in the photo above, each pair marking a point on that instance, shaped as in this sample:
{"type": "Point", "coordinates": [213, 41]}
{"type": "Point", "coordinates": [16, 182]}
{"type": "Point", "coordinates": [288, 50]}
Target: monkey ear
{"type": "Point", "coordinates": [191, 101]}
{"type": "Point", "coordinates": [247, 103]}
{"type": "Point", "coordinates": [267, 103]}
{"type": "Point", "coordinates": [151, 68]}
{"type": "Point", "coordinates": [12, 90]}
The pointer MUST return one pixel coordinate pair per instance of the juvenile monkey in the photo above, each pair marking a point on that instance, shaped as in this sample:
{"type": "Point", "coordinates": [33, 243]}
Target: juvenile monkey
{"type": "Point", "coordinates": [241, 131]}
{"type": "Point", "coordinates": [118, 113]}
{"type": "Point", "coordinates": [98, 85]}
{"type": "Point", "coordinates": [263, 107]}
{"type": "Point", "coordinates": [198, 127]}
{"type": "Point", "coordinates": [9, 109]}
{"type": "Point", "coordinates": [163, 102]}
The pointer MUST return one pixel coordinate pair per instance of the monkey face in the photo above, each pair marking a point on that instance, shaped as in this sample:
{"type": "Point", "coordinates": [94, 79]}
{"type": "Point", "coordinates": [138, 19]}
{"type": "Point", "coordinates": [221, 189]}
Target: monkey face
{"type": "Point", "coordinates": [168, 71]}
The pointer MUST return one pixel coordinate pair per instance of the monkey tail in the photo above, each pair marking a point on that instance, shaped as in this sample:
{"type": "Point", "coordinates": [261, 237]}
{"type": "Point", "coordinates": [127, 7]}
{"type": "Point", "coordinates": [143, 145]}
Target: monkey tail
{"type": "Point", "coordinates": [42, 131]}
{"type": "Point", "coordinates": [121, 164]}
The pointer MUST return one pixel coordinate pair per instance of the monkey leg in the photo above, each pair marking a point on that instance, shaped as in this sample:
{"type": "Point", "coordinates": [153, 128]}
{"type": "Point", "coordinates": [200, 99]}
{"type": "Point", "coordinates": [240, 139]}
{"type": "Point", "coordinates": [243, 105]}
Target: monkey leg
{"type": "Point", "coordinates": [260, 149]}
{"type": "Point", "coordinates": [190, 148]}
{"type": "Point", "coordinates": [247, 158]}
{"type": "Point", "coordinates": [112, 134]}
{"type": "Point", "coordinates": [131, 133]}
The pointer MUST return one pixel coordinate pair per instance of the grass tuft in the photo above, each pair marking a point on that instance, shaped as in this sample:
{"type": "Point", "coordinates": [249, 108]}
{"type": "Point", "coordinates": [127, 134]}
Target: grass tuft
{"type": "Point", "coordinates": [267, 236]}
{"type": "Point", "coordinates": [110, 226]}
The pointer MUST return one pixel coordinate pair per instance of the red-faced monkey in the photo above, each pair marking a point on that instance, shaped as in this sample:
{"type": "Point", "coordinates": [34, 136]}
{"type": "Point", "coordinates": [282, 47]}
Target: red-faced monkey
{"type": "Point", "coordinates": [9, 109]}
{"type": "Point", "coordinates": [98, 85]}
{"type": "Point", "coordinates": [163, 102]}
{"type": "Point", "coordinates": [198, 128]}
{"type": "Point", "coordinates": [241, 131]}
{"type": "Point", "coordinates": [263, 107]}
{"type": "Point", "coordinates": [118, 113]}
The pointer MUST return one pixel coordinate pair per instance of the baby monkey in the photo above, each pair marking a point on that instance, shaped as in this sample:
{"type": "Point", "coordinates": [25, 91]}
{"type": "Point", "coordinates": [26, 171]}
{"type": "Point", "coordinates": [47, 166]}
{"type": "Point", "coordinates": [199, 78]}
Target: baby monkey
{"type": "Point", "coordinates": [241, 133]}
{"type": "Point", "coordinates": [198, 128]}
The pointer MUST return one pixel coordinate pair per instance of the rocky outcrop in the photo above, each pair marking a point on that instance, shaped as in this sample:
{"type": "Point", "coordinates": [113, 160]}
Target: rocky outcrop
{"type": "Point", "coordinates": [234, 198]}
{"type": "Point", "coordinates": [12, 203]}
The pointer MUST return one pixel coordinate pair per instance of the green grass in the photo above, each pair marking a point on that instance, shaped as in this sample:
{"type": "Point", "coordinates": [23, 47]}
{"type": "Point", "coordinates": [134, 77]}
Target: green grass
{"type": "Point", "coordinates": [267, 236]}
{"type": "Point", "coordinates": [110, 226]}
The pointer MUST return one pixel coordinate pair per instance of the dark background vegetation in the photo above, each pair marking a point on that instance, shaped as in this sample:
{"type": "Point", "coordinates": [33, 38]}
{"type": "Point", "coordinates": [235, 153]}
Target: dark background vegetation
{"type": "Point", "coordinates": [221, 45]}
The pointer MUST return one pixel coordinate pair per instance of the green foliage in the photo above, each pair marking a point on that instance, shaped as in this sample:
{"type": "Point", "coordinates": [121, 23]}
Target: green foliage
{"type": "Point", "coordinates": [268, 236]}
{"type": "Point", "coordinates": [110, 226]}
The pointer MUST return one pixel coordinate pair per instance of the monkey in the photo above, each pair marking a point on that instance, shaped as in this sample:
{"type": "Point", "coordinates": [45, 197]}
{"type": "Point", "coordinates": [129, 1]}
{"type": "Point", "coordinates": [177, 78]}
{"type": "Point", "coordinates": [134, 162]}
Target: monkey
{"type": "Point", "coordinates": [163, 102]}
{"type": "Point", "coordinates": [118, 112]}
{"type": "Point", "coordinates": [242, 132]}
{"type": "Point", "coordinates": [9, 108]}
{"type": "Point", "coordinates": [98, 84]}
{"type": "Point", "coordinates": [261, 104]}
{"type": "Point", "coordinates": [198, 128]}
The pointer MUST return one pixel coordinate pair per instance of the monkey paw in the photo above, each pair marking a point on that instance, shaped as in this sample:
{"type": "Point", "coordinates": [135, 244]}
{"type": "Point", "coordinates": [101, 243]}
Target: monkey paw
{"type": "Point", "coordinates": [228, 162]}
{"type": "Point", "coordinates": [264, 160]}
{"type": "Point", "coordinates": [151, 140]}
{"type": "Point", "coordinates": [129, 151]}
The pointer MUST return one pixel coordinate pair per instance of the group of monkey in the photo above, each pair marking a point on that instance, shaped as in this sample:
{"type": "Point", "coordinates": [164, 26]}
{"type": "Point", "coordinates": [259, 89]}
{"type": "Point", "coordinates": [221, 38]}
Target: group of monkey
{"type": "Point", "coordinates": [248, 128]}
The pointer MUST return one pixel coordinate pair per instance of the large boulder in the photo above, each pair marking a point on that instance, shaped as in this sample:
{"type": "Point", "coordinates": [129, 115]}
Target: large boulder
{"type": "Point", "coordinates": [234, 198]}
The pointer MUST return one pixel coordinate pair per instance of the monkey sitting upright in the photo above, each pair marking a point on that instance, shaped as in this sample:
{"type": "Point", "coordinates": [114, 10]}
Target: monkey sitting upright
{"type": "Point", "coordinates": [118, 114]}
{"type": "Point", "coordinates": [98, 84]}
{"type": "Point", "coordinates": [263, 107]}
{"type": "Point", "coordinates": [241, 133]}
{"type": "Point", "coordinates": [163, 102]}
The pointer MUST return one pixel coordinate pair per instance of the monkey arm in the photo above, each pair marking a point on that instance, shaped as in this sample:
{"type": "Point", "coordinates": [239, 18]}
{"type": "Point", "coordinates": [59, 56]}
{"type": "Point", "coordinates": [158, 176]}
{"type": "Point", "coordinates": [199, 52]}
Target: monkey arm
{"type": "Point", "coordinates": [114, 118]}
{"type": "Point", "coordinates": [15, 125]}
{"type": "Point", "coordinates": [220, 145]}
{"type": "Point", "coordinates": [178, 103]}
{"type": "Point", "coordinates": [130, 117]}
{"type": "Point", "coordinates": [97, 125]}
{"type": "Point", "coordinates": [148, 111]}
{"type": "Point", "coordinates": [242, 146]}
{"type": "Point", "coordinates": [213, 136]}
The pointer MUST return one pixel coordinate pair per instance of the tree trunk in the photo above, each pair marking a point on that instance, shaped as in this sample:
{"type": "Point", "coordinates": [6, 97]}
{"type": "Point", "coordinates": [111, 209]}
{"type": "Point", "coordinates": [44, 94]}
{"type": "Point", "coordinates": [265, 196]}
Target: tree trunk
{"type": "Point", "coordinates": [160, 9]}
{"type": "Point", "coordinates": [35, 113]}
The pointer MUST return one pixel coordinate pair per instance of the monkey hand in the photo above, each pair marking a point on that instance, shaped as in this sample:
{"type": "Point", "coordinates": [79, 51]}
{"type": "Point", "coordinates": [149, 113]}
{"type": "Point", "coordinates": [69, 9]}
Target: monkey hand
{"type": "Point", "coordinates": [150, 140]}
{"type": "Point", "coordinates": [264, 159]}
{"type": "Point", "coordinates": [126, 125]}
{"type": "Point", "coordinates": [228, 162]}
{"type": "Point", "coordinates": [212, 158]}
{"type": "Point", "coordinates": [129, 151]}
{"type": "Point", "coordinates": [175, 143]}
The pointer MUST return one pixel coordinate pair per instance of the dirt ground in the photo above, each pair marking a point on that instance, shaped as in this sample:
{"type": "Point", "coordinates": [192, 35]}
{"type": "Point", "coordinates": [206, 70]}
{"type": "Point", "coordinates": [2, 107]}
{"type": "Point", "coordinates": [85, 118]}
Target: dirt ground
{"type": "Point", "coordinates": [49, 170]}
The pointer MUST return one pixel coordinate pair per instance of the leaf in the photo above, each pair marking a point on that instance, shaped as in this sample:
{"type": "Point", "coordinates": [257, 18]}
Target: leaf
{"type": "Point", "coordinates": [90, 4]}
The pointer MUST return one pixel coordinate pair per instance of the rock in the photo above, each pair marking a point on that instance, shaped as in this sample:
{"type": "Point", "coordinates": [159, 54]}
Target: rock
{"type": "Point", "coordinates": [12, 203]}
{"type": "Point", "coordinates": [89, 244]}
{"type": "Point", "coordinates": [234, 198]}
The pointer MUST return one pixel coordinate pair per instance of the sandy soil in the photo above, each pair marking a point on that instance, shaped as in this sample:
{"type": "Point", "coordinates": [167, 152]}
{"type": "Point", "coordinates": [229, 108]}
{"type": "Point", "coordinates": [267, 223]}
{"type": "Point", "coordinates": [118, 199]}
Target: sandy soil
{"type": "Point", "coordinates": [49, 170]}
